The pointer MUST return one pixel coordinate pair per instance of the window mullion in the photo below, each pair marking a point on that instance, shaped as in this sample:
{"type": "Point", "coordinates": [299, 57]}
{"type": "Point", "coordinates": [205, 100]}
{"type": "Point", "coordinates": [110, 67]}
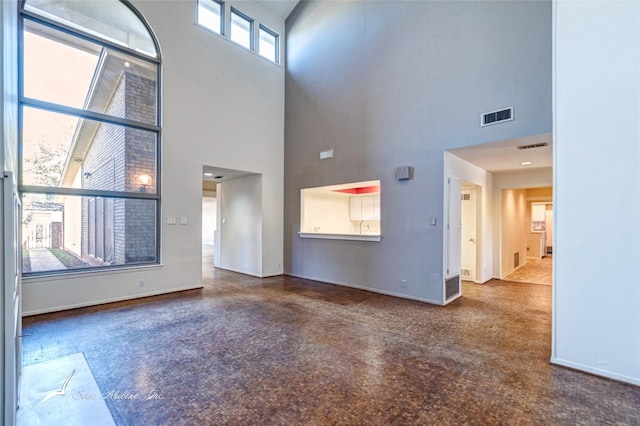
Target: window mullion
{"type": "Point", "coordinates": [83, 192]}
{"type": "Point", "coordinates": [83, 113]}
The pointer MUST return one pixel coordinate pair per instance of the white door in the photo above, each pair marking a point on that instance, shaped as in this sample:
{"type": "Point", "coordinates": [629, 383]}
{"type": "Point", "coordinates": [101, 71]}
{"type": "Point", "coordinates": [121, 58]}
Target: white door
{"type": "Point", "coordinates": [453, 227]}
{"type": "Point", "coordinates": [468, 234]}
{"type": "Point", "coordinates": [12, 298]}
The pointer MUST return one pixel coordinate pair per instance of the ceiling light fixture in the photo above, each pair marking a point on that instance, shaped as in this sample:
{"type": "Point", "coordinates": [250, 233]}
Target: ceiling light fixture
{"type": "Point", "coordinates": [208, 174]}
{"type": "Point", "coordinates": [526, 163]}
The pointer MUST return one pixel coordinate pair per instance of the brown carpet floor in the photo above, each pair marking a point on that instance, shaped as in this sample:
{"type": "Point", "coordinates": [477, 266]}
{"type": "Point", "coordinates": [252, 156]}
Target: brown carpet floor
{"type": "Point", "coordinates": [245, 351]}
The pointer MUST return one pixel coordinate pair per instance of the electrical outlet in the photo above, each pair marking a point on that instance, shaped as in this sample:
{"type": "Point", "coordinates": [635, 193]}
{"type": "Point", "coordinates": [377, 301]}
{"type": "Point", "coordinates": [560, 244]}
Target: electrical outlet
{"type": "Point", "coordinates": [403, 283]}
{"type": "Point", "coordinates": [141, 283]}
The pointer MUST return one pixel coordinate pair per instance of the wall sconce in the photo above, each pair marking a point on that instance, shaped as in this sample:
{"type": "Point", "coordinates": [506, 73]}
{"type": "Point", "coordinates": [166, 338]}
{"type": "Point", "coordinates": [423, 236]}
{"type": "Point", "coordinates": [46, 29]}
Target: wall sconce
{"type": "Point", "coordinates": [144, 180]}
{"type": "Point", "coordinates": [87, 175]}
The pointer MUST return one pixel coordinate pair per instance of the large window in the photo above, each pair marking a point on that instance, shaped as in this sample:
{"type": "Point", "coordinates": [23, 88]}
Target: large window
{"type": "Point", "coordinates": [89, 172]}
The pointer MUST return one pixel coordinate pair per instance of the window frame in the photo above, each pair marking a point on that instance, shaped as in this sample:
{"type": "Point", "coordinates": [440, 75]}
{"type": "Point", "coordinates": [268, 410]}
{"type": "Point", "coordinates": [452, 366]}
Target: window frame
{"type": "Point", "coordinates": [276, 36]}
{"type": "Point", "coordinates": [26, 102]}
{"type": "Point", "coordinates": [221, 4]}
{"type": "Point", "coordinates": [251, 22]}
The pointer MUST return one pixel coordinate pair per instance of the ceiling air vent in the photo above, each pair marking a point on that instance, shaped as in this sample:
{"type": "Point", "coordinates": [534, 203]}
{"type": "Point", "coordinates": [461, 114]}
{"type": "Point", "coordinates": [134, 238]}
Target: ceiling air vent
{"type": "Point", "coordinates": [495, 117]}
{"type": "Point", "coordinates": [533, 145]}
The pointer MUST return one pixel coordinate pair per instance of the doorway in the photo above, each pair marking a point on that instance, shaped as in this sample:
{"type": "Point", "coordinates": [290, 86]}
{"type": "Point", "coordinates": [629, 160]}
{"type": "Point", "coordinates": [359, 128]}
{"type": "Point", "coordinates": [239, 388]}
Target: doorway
{"type": "Point", "coordinates": [469, 231]}
{"type": "Point", "coordinates": [534, 235]}
{"type": "Point", "coordinates": [209, 227]}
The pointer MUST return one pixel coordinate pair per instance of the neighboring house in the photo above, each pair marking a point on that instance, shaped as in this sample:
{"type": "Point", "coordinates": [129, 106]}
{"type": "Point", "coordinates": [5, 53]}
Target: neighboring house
{"type": "Point", "coordinates": [42, 225]}
{"type": "Point", "coordinates": [113, 158]}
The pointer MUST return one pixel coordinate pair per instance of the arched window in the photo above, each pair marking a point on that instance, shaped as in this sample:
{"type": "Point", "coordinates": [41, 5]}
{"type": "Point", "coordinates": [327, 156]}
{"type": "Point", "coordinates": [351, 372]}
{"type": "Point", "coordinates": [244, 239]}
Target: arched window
{"type": "Point", "coordinates": [90, 139]}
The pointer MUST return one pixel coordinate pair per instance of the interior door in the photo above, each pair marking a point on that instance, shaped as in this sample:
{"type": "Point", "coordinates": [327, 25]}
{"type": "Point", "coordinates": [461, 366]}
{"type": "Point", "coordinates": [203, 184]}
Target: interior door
{"type": "Point", "coordinates": [454, 224]}
{"type": "Point", "coordinates": [12, 298]}
{"type": "Point", "coordinates": [469, 234]}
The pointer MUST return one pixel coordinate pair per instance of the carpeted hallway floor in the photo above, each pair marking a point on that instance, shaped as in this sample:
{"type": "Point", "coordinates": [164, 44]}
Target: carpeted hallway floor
{"type": "Point", "coordinates": [535, 271]}
{"type": "Point", "coordinates": [289, 351]}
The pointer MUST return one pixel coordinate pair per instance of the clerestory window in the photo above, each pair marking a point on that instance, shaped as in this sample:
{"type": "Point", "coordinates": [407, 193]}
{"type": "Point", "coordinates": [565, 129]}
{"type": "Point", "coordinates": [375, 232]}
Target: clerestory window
{"type": "Point", "coordinates": [211, 15]}
{"type": "Point", "coordinates": [241, 29]}
{"type": "Point", "coordinates": [89, 105]}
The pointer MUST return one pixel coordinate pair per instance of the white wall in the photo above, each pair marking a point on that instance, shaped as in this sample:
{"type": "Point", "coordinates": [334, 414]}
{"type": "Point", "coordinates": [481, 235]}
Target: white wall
{"type": "Point", "coordinates": [240, 225]}
{"type": "Point", "coordinates": [513, 230]}
{"type": "Point", "coordinates": [455, 166]}
{"type": "Point", "coordinates": [327, 211]}
{"type": "Point", "coordinates": [596, 299]}
{"type": "Point", "coordinates": [223, 106]}
{"type": "Point", "coordinates": [208, 220]}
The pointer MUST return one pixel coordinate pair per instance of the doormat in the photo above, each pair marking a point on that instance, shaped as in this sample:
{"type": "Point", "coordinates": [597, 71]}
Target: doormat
{"type": "Point", "coordinates": [61, 392]}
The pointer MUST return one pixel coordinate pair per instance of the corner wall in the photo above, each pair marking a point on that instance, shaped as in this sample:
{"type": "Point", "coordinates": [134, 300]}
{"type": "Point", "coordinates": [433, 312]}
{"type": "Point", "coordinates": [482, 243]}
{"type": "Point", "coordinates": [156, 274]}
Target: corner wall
{"type": "Point", "coordinates": [471, 173]}
{"type": "Point", "coordinates": [596, 293]}
{"type": "Point", "coordinates": [390, 84]}
{"type": "Point", "coordinates": [240, 225]}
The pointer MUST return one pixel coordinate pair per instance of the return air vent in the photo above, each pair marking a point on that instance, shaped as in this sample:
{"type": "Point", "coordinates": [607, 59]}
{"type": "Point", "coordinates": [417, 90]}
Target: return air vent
{"type": "Point", "coordinates": [533, 145]}
{"type": "Point", "coordinates": [452, 287]}
{"type": "Point", "coordinates": [465, 273]}
{"type": "Point", "coordinates": [495, 117]}
{"type": "Point", "coordinates": [465, 197]}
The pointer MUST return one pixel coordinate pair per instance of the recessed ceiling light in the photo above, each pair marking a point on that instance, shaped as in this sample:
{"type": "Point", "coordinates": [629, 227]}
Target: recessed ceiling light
{"type": "Point", "coordinates": [208, 174]}
{"type": "Point", "coordinates": [526, 163]}
{"type": "Point", "coordinates": [127, 64]}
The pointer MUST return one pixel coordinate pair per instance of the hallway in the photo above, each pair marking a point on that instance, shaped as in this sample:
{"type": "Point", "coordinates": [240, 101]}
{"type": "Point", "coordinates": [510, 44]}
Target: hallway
{"type": "Point", "coordinates": [535, 271]}
{"type": "Point", "coordinates": [286, 351]}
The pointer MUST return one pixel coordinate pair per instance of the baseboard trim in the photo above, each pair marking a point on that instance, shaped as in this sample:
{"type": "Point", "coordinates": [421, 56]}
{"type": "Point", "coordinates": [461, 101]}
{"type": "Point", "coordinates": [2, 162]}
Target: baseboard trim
{"type": "Point", "coordinates": [106, 301]}
{"type": "Point", "coordinates": [595, 371]}
{"type": "Point", "coordinates": [237, 271]}
{"type": "Point", "coordinates": [511, 272]}
{"type": "Point", "coordinates": [372, 290]}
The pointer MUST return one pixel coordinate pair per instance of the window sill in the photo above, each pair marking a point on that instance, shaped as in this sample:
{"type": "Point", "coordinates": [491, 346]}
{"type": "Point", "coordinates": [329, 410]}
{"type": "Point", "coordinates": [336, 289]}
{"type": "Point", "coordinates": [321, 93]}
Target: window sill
{"type": "Point", "coordinates": [79, 273]}
{"type": "Point", "coordinates": [351, 237]}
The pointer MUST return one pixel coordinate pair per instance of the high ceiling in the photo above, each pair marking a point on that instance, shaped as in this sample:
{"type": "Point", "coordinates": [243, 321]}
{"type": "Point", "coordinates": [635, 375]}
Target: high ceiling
{"type": "Point", "coordinates": [494, 157]}
{"type": "Point", "coordinates": [281, 8]}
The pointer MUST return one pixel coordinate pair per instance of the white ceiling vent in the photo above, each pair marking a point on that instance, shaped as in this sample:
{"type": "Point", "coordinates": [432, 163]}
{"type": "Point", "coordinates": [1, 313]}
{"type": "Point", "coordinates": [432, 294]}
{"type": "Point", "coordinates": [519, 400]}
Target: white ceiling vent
{"type": "Point", "coordinates": [495, 117]}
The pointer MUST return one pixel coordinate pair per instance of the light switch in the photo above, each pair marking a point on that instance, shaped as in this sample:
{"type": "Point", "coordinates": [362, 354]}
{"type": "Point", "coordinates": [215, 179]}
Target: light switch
{"type": "Point", "coordinates": [171, 220]}
{"type": "Point", "coordinates": [183, 220]}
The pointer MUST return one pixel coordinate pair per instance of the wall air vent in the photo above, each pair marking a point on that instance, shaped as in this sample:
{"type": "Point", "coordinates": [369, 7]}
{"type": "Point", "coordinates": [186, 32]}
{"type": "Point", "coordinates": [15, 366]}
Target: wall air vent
{"type": "Point", "coordinates": [533, 145]}
{"type": "Point", "coordinates": [495, 117]}
{"type": "Point", "coordinates": [465, 273]}
{"type": "Point", "coordinates": [451, 287]}
{"type": "Point", "coordinates": [465, 197]}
